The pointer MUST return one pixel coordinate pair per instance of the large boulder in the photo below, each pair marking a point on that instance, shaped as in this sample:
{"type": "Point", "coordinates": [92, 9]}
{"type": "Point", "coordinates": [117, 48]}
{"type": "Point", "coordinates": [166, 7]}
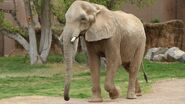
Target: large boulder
{"type": "Point", "coordinates": [159, 57]}
{"type": "Point", "coordinates": [182, 59]}
{"type": "Point", "coordinates": [156, 54]}
{"type": "Point", "coordinates": [150, 53]}
{"type": "Point", "coordinates": [173, 54]}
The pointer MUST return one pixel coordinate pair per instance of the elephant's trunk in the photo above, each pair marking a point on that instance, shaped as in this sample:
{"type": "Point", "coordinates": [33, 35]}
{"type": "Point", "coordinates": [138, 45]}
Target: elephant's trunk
{"type": "Point", "coordinates": [69, 51]}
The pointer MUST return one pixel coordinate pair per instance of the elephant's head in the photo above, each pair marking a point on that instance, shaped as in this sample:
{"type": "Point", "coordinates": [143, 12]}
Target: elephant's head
{"type": "Point", "coordinates": [82, 17]}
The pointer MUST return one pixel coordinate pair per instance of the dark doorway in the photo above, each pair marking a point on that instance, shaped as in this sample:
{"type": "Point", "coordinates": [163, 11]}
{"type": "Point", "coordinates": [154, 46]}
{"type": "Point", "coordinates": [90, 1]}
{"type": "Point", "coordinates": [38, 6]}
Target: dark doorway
{"type": "Point", "coordinates": [1, 45]}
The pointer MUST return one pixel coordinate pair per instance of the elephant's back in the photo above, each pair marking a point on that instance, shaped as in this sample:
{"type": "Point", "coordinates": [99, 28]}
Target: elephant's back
{"type": "Point", "coordinates": [129, 24]}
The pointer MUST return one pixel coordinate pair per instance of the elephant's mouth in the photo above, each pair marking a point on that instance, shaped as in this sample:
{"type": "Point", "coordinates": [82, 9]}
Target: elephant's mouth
{"type": "Point", "coordinates": [82, 33]}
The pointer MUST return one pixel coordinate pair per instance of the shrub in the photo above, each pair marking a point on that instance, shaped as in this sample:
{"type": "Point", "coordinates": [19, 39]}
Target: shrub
{"type": "Point", "coordinates": [81, 58]}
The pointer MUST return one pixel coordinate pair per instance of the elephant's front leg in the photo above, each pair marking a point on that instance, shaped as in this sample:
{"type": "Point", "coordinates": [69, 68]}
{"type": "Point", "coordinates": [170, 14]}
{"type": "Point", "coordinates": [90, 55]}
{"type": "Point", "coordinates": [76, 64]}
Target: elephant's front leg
{"type": "Point", "coordinates": [94, 63]}
{"type": "Point", "coordinates": [113, 64]}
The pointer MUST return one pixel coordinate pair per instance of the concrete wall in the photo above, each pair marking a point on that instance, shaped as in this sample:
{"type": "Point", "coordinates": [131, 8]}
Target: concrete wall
{"type": "Point", "coordinates": [163, 10]}
{"type": "Point", "coordinates": [1, 45]}
{"type": "Point", "coordinates": [180, 14]}
{"type": "Point", "coordinates": [9, 46]}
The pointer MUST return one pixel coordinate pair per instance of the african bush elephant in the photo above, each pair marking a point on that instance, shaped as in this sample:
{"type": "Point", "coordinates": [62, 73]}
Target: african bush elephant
{"type": "Point", "coordinates": [115, 35]}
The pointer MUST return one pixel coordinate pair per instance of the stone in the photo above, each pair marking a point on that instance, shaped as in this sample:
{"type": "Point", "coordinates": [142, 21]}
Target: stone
{"type": "Point", "coordinates": [150, 53]}
{"type": "Point", "coordinates": [155, 52]}
{"type": "Point", "coordinates": [182, 59]}
{"type": "Point", "coordinates": [173, 54]}
{"type": "Point", "coordinates": [159, 57]}
{"type": "Point", "coordinates": [161, 51]}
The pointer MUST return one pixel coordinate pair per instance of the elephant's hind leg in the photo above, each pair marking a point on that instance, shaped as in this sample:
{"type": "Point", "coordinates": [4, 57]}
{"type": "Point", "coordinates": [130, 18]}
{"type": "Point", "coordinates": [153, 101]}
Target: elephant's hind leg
{"type": "Point", "coordinates": [137, 88]}
{"type": "Point", "coordinates": [137, 85]}
{"type": "Point", "coordinates": [133, 70]}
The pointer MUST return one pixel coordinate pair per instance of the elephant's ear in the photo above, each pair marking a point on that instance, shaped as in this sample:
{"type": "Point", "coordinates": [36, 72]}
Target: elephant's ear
{"type": "Point", "coordinates": [102, 27]}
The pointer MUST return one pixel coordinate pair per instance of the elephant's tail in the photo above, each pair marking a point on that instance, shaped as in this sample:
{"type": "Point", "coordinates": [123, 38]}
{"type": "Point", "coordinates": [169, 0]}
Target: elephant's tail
{"type": "Point", "coordinates": [144, 73]}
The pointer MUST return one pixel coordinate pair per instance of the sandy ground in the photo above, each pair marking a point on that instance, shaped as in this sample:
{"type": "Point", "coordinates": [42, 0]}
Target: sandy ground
{"type": "Point", "coordinates": [163, 92]}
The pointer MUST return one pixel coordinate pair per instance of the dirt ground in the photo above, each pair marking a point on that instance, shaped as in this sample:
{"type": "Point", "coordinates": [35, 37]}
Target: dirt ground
{"type": "Point", "coordinates": [163, 92]}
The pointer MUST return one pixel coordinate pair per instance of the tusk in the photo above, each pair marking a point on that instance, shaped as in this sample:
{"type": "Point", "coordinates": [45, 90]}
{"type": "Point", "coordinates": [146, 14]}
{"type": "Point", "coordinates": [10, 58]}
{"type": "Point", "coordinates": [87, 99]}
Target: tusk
{"type": "Point", "coordinates": [60, 38]}
{"type": "Point", "coordinates": [73, 39]}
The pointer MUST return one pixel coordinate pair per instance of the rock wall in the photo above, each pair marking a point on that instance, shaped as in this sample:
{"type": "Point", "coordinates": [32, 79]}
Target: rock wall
{"type": "Point", "coordinates": [166, 34]}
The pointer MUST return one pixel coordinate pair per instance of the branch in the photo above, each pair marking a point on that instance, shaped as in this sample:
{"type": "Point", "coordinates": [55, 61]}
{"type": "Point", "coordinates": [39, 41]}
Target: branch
{"type": "Point", "coordinates": [16, 36]}
{"type": "Point", "coordinates": [57, 40]}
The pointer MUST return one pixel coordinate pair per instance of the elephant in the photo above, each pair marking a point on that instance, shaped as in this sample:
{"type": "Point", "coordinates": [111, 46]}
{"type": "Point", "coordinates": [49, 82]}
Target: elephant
{"type": "Point", "coordinates": [115, 35]}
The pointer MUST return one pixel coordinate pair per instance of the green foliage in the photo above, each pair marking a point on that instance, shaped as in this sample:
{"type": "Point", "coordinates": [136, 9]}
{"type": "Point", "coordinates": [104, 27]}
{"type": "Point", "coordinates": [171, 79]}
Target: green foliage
{"type": "Point", "coordinates": [5, 24]}
{"type": "Point", "coordinates": [59, 8]}
{"type": "Point", "coordinates": [81, 58]}
{"type": "Point", "coordinates": [8, 26]}
{"type": "Point", "coordinates": [36, 8]}
{"type": "Point", "coordinates": [1, 17]}
{"type": "Point", "coordinates": [141, 3]}
{"type": "Point", "coordinates": [116, 4]}
{"type": "Point", "coordinates": [155, 20]}
{"type": "Point", "coordinates": [55, 58]}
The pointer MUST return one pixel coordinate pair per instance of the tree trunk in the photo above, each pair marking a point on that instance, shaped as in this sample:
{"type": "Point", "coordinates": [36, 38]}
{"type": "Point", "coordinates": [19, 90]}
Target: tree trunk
{"type": "Point", "coordinates": [46, 33]}
{"type": "Point", "coordinates": [34, 57]}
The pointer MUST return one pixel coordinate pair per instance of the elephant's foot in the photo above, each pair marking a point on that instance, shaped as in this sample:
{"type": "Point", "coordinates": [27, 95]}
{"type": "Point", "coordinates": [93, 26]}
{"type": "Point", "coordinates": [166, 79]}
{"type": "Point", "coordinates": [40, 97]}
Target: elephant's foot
{"type": "Point", "coordinates": [114, 94]}
{"type": "Point", "coordinates": [131, 95]}
{"type": "Point", "coordinates": [138, 94]}
{"type": "Point", "coordinates": [95, 99]}
{"type": "Point", "coordinates": [138, 89]}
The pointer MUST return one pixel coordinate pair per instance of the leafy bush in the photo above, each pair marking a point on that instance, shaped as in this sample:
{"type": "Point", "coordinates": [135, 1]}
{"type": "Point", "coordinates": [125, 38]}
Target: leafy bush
{"type": "Point", "coordinates": [81, 58]}
{"type": "Point", "coordinates": [155, 20]}
{"type": "Point", "coordinates": [1, 17]}
{"type": "Point", "coordinates": [5, 24]}
{"type": "Point", "coordinates": [54, 58]}
{"type": "Point", "coordinates": [59, 8]}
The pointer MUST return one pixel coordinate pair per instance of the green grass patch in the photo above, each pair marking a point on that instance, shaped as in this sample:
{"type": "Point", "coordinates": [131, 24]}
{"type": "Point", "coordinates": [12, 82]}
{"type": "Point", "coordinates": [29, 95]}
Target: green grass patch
{"type": "Point", "coordinates": [55, 58]}
{"type": "Point", "coordinates": [19, 78]}
{"type": "Point", "coordinates": [17, 64]}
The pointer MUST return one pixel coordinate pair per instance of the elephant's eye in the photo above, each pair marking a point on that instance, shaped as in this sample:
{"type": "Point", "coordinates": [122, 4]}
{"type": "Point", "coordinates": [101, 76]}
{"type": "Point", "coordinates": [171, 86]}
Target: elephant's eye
{"type": "Point", "coordinates": [83, 18]}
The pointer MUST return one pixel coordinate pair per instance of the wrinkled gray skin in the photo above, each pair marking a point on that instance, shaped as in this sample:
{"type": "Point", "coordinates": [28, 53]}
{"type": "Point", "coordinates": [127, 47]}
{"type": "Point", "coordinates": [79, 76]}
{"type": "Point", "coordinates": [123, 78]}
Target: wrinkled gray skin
{"type": "Point", "coordinates": [115, 35]}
